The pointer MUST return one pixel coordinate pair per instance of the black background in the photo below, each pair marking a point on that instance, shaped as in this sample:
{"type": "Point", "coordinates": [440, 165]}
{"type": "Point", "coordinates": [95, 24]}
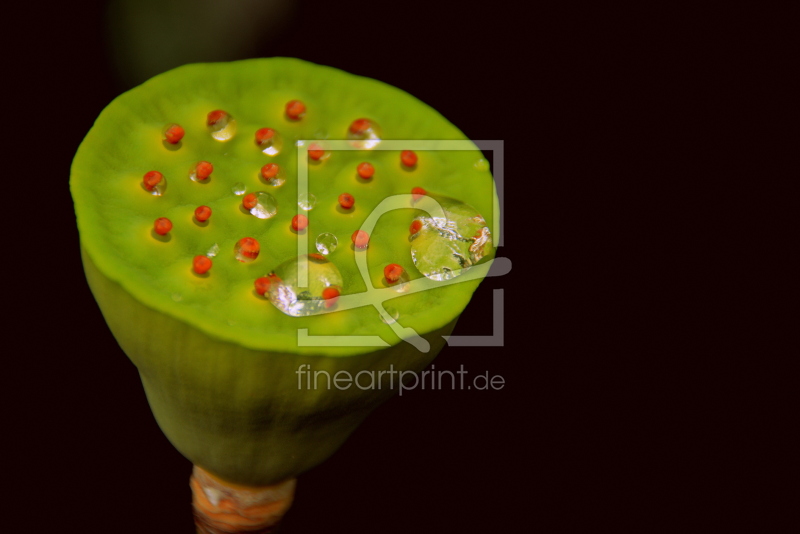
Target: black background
{"type": "Point", "coordinates": [555, 448]}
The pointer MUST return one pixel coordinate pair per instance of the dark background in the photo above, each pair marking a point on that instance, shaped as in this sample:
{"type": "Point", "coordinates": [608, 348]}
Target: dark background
{"type": "Point", "coordinates": [555, 448]}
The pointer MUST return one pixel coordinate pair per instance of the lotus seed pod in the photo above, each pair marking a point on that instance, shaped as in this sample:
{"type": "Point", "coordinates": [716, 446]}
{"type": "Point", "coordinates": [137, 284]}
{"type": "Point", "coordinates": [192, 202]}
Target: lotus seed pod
{"type": "Point", "coordinates": [224, 366]}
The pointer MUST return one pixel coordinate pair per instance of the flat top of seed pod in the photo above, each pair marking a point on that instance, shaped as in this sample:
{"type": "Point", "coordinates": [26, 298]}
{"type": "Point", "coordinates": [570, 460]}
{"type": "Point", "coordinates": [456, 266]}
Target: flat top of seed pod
{"type": "Point", "coordinates": [224, 136]}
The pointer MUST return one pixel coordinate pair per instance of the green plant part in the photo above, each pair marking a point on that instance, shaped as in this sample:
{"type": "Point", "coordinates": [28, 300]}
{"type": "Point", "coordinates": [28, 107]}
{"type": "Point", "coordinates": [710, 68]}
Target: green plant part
{"type": "Point", "coordinates": [208, 301]}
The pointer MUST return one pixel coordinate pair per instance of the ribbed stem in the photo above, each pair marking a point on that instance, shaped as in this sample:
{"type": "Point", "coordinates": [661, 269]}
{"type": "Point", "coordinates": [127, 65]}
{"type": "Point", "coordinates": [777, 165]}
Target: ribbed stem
{"type": "Point", "coordinates": [224, 508]}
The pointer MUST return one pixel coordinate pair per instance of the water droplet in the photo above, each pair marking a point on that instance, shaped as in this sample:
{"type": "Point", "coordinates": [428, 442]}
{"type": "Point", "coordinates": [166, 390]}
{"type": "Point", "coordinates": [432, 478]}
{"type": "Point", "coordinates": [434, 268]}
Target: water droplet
{"type": "Point", "coordinates": [326, 243]}
{"type": "Point", "coordinates": [443, 246]}
{"type": "Point", "coordinates": [221, 125]}
{"type": "Point", "coordinates": [213, 250]}
{"type": "Point", "coordinates": [269, 141]}
{"type": "Point", "coordinates": [290, 298]}
{"type": "Point", "coordinates": [364, 134]}
{"type": "Point", "coordinates": [154, 183]}
{"type": "Point", "coordinates": [239, 189]}
{"type": "Point", "coordinates": [295, 109]}
{"type": "Point", "coordinates": [173, 133]}
{"type": "Point", "coordinates": [177, 297]}
{"type": "Point", "coordinates": [306, 201]}
{"type": "Point", "coordinates": [482, 165]}
{"type": "Point", "coordinates": [201, 171]}
{"type": "Point", "coordinates": [273, 174]}
{"type": "Point", "coordinates": [392, 313]}
{"type": "Point", "coordinates": [402, 286]}
{"type": "Point", "coordinates": [266, 206]}
{"type": "Point", "coordinates": [246, 249]}
{"type": "Point", "coordinates": [317, 152]}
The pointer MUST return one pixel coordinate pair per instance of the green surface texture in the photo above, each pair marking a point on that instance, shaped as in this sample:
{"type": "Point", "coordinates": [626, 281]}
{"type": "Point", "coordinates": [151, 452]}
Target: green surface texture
{"type": "Point", "coordinates": [217, 360]}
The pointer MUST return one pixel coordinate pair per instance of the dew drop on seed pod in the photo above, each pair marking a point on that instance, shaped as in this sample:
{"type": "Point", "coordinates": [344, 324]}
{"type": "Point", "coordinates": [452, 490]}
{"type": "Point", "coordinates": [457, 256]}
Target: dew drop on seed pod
{"type": "Point", "coordinates": [246, 249]}
{"type": "Point", "coordinates": [391, 315]}
{"type": "Point", "coordinates": [287, 295]}
{"type": "Point", "coordinates": [482, 165]}
{"type": "Point", "coordinates": [173, 133]}
{"type": "Point", "coordinates": [266, 206]}
{"type": "Point", "coordinates": [273, 174]}
{"type": "Point", "coordinates": [269, 141]}
{"type": "Point", "coordinates": [306, 201]}
{"type": "Point", "coordinates": [401, 286]}
{"type": "Point", "coordinates": [445, 245]}
{"type": "Point", "coordinates": [364, 134]}
{"type": "Point", "coordinates": [201, 171]}
{"type": "Point", "coordinates": [239, 189]}
{"type": "Point", "coordinates": [154, 183]}
{"type": "Point", "coordinates": [213, 250]}
{"type": "Point", "coordinates": [221, 125]}
{"type": "Point", "coordinates": [326, 243]}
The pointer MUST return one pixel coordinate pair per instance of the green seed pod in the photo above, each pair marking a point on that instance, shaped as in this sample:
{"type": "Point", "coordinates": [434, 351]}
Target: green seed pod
{"type": "Point", "coordinates": [222, 365]}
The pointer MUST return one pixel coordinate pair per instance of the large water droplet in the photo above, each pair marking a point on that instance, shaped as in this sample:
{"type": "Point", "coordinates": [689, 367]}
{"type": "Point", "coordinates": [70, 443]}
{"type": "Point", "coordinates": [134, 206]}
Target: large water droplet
{"type": "Point", "coordinates": [306, 201]}
{"type": "Point", "coordinates": [238, 189]}
{"type": "Point", "coordinates": [326, 243]}
{"type": "Point", "coordinates": [444, 245]}
{"type": "Point", "coordinates": [364, 134]}
{"type": "Point", "coordinates": [290, 298]}
{"type": "Point", "coordinates": [266, 205]}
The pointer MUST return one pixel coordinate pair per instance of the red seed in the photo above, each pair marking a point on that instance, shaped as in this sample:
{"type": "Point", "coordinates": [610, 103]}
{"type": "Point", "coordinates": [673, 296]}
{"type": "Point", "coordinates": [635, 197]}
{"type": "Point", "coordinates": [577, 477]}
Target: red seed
{"type": "Point", "coordinates": [203, 170]}
{"type": "Point", "coordinates": [249, 201]}
{"type": "Point", "coordinates": [417, 193]}
{"type": "Point", "coordinates": [360, 239]}
{"type": "Point", "coordinates": [264, 135]}
{"type": "Point", "coordinates": [318, 257]}
{"type": "Point", "coordinates": [162, 226]}
{"type": "Point", "coordinates": [393, 272]}
{"type": "Point", "coordinates": [315, 151]}
{"type": "Point", "coordinates": [331, 295]}
{"type": "Point", "coordinates": [408, 158]}
{"type": "Point", "coordinates": [295, 109]}
{"type": "Point", "coordinates": [152, 179]}
{"type": "Point", "coordinates": [174, 134]}
{"type": "Point", "coordinates": [346, 200]}
{"type": "Point", "coordinates": [202, 213]}
{"type": "Point", "coordinates": [270, 171]}
{"type": "Point", "coordinates": [416, 226]}
{"type": "Point", "coordinates": [359, 126]}
{"type": "Point", "coordinates": [262, 284]}
{"type": "Point", "coordinates": [248, 247]}
{"type": "Point", "coordinates": [299, 222]}
{"type": "Point", "coordinates": [216, 116]}
{"type": "Point", "coordinates": [201, 264]}
{"type": "Point", "coordinates": [366, 170]}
